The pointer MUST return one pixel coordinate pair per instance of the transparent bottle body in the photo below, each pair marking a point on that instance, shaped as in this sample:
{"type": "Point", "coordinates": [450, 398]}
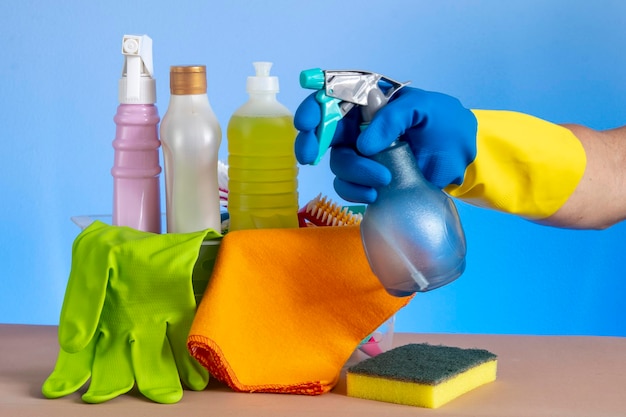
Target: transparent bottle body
{"type": "Point", "coordinates": [190, 138]}
{"type": "Point", "coordinates": [412, 233]}
{"type": "Point", "coordinates": [136, 168]}
{"type": "Point", "coordinates": [262, 168]}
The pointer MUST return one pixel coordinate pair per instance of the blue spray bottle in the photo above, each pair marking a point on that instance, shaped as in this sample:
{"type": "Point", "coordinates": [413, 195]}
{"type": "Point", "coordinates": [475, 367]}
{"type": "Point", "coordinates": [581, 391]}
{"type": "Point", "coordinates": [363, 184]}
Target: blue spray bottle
{"type": "Point", "coordinates": [412, 233]}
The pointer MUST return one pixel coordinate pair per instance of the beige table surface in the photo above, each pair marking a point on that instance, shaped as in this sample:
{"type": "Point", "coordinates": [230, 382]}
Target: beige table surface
{"type": "Point", "coordinates": [537, 376]}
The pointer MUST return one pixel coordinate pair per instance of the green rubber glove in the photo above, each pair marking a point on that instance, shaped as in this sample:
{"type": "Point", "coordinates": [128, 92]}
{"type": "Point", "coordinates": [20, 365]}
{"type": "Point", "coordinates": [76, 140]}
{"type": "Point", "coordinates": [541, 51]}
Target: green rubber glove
{"type": "Point", "coordinates": [127, 311]}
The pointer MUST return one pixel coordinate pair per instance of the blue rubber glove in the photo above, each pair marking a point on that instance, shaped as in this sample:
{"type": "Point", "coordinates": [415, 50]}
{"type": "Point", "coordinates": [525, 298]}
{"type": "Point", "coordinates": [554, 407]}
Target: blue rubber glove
{"type": "Point", "coordinates": [440, 131]}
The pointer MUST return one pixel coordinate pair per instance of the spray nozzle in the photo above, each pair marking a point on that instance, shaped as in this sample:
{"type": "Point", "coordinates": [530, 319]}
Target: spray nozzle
{"type": "Point", "coordinates": [137, 85]}
{"type": "Point", "coordinates": [339, 91]}
{"type": "Point", "coordinates": [262, 81]}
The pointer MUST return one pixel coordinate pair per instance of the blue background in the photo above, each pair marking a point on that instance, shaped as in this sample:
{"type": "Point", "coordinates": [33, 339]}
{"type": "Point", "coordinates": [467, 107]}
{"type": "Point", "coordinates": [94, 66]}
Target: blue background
{"type": "Point", "coordinates": [562, 60]}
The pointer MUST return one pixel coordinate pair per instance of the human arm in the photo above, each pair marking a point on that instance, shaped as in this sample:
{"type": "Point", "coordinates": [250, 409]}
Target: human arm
{"type": "Point", "coordinates": [599, 200]}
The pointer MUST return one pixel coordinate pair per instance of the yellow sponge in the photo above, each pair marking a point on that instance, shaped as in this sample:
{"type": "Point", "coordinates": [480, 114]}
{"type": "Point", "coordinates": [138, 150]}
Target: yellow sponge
{"type": "Point", "coordinates": [421, 375]}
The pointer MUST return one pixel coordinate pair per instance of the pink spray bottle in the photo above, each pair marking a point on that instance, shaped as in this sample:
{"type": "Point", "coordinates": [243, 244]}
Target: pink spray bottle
{"type": "Point", "coordinates": [136, 169]}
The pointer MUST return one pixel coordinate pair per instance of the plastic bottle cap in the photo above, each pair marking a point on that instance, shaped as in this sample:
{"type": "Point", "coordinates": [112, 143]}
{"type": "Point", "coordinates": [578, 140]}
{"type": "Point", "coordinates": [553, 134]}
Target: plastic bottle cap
{"type": "Point", "coordinates": [262, 81]}
{"type": "Point", "coordinates": [137, 85]}
{"type": "Point", "coordinates": [189, 79]}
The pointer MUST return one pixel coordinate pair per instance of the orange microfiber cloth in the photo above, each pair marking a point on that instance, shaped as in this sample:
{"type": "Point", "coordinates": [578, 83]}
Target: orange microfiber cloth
{"type": "Point", "coordinates": [285, 309]}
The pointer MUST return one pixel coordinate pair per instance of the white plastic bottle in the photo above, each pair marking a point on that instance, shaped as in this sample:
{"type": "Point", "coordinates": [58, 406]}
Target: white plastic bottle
{"type": "Point", "coordinates": [190, 139]}
{"type": "Point", "coordinates": [262, 168]}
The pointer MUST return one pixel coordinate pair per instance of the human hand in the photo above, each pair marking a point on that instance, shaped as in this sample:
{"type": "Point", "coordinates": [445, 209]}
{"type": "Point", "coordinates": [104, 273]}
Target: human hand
{"type": "Point", "coordinates": [127, 311]}
{"type": "Point", "coordinates": [439, 130]}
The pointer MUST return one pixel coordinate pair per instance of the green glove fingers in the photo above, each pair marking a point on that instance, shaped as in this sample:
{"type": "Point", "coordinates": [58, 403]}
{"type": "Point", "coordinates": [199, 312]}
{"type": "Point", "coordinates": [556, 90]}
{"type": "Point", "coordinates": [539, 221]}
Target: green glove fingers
{"type": "Point", "coordinates": [155, 367]}
{"type": "Point", "coordinates": [134, 291]}
{"type": "Point", "coordinates": [162, 384]}
{"type": "Point", "coordinates": [112, 375]}
{"type": "Point", "coordinates": [72, 370]}
{"type": "Point", "coordinates": [193, 375]}
{"type": "Point", "coordinates": [88, 277]}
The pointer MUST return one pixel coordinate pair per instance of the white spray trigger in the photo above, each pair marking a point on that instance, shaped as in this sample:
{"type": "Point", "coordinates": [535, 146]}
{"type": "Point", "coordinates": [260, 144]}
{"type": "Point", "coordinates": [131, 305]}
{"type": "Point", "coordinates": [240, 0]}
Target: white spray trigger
{"type": "Point", "coordinates": [138, 68]}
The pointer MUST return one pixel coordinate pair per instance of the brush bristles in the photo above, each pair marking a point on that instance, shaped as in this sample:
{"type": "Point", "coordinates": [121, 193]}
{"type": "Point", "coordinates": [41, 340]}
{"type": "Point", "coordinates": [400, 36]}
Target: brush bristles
{"type": "Point", "coordinates": [321, 211]}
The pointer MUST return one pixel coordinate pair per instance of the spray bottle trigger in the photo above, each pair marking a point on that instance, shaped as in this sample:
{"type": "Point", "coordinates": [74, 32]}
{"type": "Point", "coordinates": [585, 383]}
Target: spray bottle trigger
{"type": "Point", "coordinates": [139, 48]}
{"type": "Point", "coordinates": [331, 115]}
{"type": "Point", "coordinates": [137, 51]}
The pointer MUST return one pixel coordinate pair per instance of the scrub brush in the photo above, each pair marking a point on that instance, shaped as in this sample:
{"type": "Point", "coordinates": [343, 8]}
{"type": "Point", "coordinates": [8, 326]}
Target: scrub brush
{"type": "Point", "coordinates": [321, 211]}
{"type": "Point", "coordinates": [421, 375]}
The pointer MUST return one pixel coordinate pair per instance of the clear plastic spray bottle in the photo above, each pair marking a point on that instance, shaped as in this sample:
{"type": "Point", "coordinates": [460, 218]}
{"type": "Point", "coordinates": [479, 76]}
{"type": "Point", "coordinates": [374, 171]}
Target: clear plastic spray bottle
{"type": "Point", "coordinates": [191, 137]}
{"type": "Point", "coordinates": [262, 168]}
{"type": "Point", "coordinates": [136, 169]}
{"type": "Point", "coordinates": [412, 233]}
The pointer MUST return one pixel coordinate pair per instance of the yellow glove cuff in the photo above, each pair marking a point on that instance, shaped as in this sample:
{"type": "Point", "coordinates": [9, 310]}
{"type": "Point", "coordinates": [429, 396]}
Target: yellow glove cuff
{"type": "Point", "coordinates": [524, 165]}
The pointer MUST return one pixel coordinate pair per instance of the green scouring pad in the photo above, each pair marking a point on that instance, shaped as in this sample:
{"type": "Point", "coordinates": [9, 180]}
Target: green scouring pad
{"type": "Point", "coordinates": [421, 375]}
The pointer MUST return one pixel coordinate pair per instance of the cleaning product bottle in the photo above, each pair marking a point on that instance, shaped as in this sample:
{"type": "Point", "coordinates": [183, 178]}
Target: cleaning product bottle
{"type": "Point", "coordinates": [191, 137]}
{"type": "Point", "coordinates": [262, 169]}
{"type": "Point", "coordinates": [136, 169]}
{"type": "Point", "coordinates": [412, 233]}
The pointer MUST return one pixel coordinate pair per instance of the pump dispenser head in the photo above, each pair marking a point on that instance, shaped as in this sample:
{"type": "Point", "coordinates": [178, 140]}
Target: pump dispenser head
{"type": "Point", "coordinates": [137, 85]}
{"type": "Point", "coordinates": [262, 82]}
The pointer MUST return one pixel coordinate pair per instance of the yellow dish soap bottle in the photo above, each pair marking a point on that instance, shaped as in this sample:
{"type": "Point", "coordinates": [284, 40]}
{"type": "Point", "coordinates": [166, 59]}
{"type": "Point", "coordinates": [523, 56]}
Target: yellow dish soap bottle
{"type": "Point", "coordinates": [262, 168]}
